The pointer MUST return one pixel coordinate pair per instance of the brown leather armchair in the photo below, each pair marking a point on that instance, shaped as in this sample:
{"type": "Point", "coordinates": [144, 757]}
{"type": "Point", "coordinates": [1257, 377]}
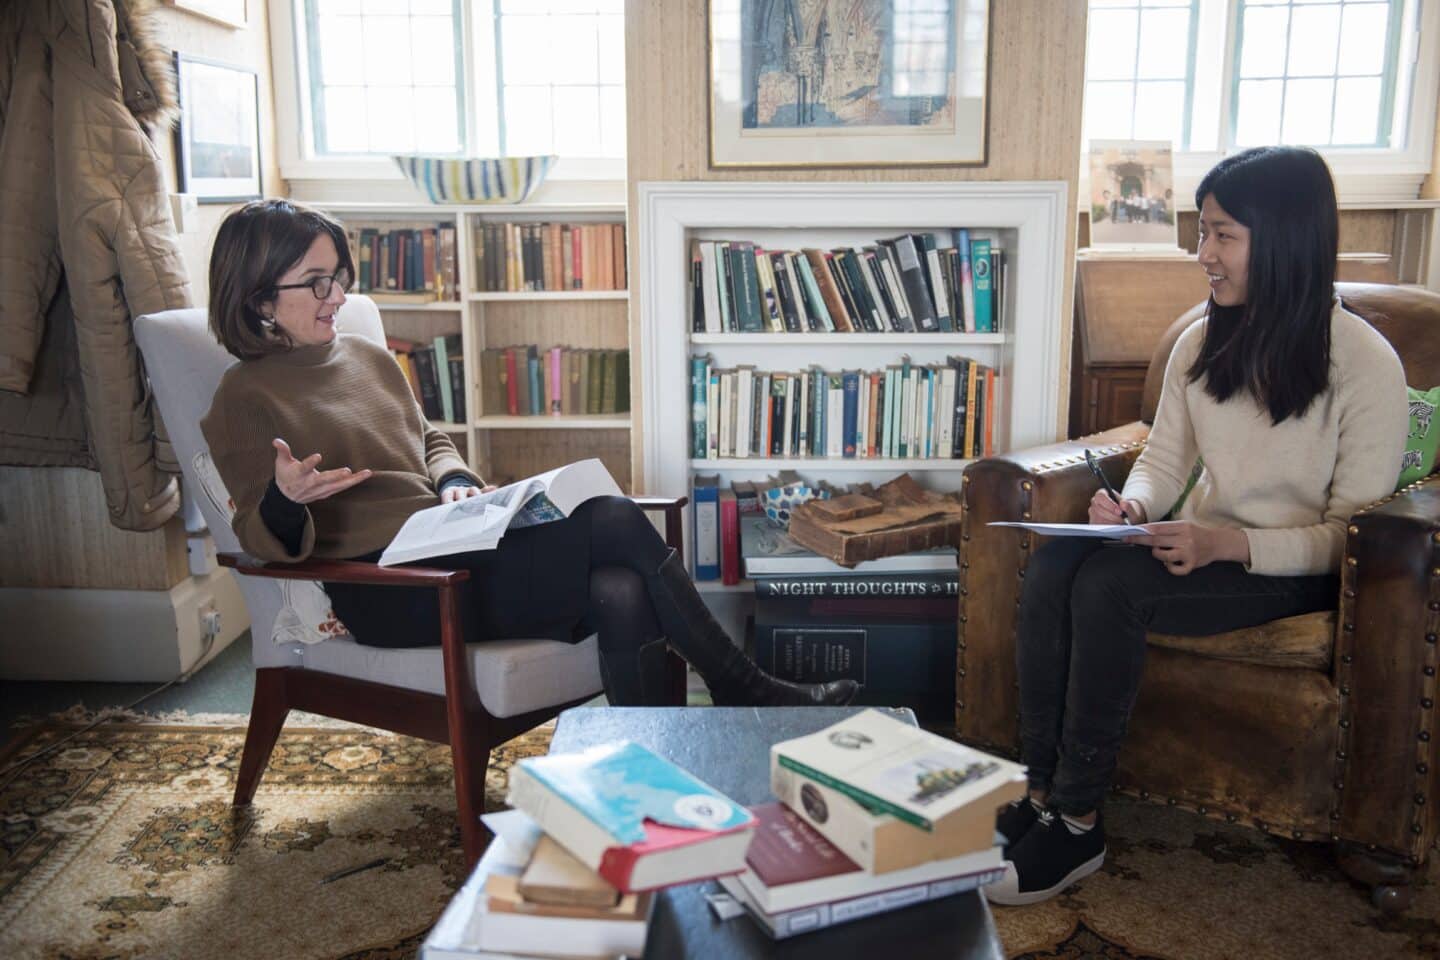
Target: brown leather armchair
{"type": "Point", "coordinates": [1319, 727]}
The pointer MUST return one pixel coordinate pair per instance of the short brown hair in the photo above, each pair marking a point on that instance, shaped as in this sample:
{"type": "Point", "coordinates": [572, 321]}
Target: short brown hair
{"type": "Point", "coordinates": [254, 247]}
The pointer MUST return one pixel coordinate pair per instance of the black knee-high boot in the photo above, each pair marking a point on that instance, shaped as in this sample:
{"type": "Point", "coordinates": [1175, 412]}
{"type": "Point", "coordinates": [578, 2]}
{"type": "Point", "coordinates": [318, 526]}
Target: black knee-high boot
{"type": "Point", "coordinates": [733, 678]}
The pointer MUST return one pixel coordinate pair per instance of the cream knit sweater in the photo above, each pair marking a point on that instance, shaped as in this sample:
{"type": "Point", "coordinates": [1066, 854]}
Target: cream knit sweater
{"type": "Point", "coordinates": [1291, 487]}
{"type": "Point", "coordinates": [348, 401]}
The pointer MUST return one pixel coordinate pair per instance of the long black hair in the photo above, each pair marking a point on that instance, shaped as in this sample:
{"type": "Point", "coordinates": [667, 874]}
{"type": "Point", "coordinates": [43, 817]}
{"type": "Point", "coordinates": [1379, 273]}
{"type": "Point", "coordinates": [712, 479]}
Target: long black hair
{"type": "Point", "coordinates": [1275, 345]}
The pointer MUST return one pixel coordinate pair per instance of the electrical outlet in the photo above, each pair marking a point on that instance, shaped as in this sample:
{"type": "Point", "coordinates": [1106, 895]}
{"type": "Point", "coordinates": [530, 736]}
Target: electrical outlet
{"type": "Point", "coordinates": [209, 620]}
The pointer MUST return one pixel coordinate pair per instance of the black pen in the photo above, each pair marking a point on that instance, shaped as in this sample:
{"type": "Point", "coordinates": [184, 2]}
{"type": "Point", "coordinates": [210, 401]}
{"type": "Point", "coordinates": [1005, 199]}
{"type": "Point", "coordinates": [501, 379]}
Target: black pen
{"type": "Point", "coordinates": [1094, 466]}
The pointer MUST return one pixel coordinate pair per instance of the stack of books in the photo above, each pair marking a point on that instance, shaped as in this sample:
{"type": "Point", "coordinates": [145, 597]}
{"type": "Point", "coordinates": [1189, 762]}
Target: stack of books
{"type": "Point", "coordinates": [949, 282]}
{"type": "Point", "coordinates": [874, 815]}
{"type": "Point", "coordinates": [572, 869]}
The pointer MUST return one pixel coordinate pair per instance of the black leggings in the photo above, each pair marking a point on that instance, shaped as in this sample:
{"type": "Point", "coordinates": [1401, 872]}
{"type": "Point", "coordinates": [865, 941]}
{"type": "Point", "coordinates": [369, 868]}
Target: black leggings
{"type": "Point", "coordinates": [609, 597]}
{"type": "Point", "coordinates": [1080, 647]}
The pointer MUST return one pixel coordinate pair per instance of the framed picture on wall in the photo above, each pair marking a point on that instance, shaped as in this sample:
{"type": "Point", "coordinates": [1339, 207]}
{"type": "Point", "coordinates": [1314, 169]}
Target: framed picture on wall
{"type": "Point", "coordinates": [232, 13]}
{"type": "Point", "coordinates": [218, 138]}
{"type": "Point", "coordinates": [816, 83]}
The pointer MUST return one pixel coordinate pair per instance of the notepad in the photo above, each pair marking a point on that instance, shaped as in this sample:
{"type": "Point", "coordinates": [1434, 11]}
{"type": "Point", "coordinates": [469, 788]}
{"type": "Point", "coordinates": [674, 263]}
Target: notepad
{"type": "Point", "coordinates": [1103, 531]}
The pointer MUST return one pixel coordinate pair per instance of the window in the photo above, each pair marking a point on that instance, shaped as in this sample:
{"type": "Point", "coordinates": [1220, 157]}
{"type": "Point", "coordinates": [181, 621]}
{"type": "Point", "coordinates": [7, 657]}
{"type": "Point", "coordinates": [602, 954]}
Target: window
{"type": "Point", "coordinates": [1213, 75]}
{"type": "Point", "coordinates": [482, 77]}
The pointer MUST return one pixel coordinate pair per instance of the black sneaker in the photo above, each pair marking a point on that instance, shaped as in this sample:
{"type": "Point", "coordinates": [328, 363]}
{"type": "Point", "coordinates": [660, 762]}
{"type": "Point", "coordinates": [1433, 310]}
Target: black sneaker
{"type": "Point", "coordinates": [1047, 860]}
{"type": "Point", "coordinates": [1015, 819]}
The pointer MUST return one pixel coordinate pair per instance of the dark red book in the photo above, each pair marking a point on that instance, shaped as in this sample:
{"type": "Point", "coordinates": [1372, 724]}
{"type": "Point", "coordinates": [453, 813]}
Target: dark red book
{"type": "Point", "coordinates": [729, 537]}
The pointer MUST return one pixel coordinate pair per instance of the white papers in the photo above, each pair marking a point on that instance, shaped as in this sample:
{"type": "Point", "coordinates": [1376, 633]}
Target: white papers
{"type": "Point", "coordinates": [1104, 531]}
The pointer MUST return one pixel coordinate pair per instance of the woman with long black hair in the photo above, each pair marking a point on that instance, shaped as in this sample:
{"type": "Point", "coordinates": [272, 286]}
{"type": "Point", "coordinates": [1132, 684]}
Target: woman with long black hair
{"type": "Point", "coordinates": [1293, 411]}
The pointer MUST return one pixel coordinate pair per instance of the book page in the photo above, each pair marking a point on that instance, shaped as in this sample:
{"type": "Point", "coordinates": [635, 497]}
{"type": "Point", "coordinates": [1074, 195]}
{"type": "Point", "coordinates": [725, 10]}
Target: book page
{"type": "Point", "coordinates": [1104, 531]}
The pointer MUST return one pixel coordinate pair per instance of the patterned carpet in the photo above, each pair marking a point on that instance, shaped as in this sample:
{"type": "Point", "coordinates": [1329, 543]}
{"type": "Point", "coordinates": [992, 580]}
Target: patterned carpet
{"type": "Point", "coordinates": [123, 845]}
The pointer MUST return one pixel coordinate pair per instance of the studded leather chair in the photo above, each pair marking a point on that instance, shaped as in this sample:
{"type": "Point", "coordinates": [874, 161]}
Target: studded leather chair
{"type": "Point", "coordinates": [1319, 727]}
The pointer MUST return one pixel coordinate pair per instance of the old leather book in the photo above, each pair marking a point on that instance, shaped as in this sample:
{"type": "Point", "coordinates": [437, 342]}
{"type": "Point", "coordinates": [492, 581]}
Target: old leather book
{"type": "Point", "coordinates": [912, 519]}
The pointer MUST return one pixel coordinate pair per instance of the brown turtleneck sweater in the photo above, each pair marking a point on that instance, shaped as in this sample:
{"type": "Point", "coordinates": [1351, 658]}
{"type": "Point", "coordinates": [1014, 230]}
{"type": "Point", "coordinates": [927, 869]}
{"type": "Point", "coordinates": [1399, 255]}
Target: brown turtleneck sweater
{"type": "Point", "coordinates": [348, 401]}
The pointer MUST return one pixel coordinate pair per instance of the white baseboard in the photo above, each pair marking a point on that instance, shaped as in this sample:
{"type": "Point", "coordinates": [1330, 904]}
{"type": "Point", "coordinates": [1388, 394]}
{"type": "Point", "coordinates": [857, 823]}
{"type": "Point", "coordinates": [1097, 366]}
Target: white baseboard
{"type": "Point", "coordinates": [144, 636]}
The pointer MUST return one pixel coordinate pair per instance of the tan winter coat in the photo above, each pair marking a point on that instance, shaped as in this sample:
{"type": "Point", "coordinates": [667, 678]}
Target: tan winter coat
{"type": "Point", "coordinates": [86, 243]}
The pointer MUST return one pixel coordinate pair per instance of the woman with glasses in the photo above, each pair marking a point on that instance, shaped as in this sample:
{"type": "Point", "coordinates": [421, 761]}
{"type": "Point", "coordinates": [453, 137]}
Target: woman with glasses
{"type": "Point", "coordinates": [325, 454]}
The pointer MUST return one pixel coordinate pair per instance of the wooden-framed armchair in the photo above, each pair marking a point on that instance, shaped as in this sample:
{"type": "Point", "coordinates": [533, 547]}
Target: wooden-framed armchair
{"type": "Point", "coordinates": [1319, 727]}
{"type": "Point", "coordinates": [472, 697]}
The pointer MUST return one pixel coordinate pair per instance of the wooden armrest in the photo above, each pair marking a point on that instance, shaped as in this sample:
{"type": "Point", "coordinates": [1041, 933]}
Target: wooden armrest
{"type": "Point", "coordinates": [660, 503]}
{"type": "Point", "coordinates": [345, 571]}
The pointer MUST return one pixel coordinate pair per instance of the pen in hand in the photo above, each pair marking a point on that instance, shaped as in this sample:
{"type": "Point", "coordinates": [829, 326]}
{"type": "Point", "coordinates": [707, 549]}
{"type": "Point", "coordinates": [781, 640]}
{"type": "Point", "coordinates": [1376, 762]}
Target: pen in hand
{"type": "Point", "coordinates": [1094, 466]}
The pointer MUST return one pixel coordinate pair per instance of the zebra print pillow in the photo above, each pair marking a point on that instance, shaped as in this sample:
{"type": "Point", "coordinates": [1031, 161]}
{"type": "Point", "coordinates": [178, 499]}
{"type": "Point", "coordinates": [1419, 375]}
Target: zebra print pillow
{"type": "Point", "coordinates": [1420, 443]}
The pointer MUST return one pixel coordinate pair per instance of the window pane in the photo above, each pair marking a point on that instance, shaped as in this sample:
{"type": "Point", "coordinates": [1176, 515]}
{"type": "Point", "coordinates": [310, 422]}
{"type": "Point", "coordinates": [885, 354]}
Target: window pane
{"type": "Point", "coordinates": [527, 49]}
{"type": "Point", "coordinates": [577, 120]}
{"type": "Point", "coordinates": [527, 121]}
{"type": "Point", "coordinates": [1357, 110]}
{"type": "Point", "coordinates": [573, 55]}
{"type": "Point", "coordinates": [1307, 111]}
{"type": "Point", "coordinates": [612, 121]}
{"type": "Point", "coordinates": [339, 38]}
{"type": "Point", "coordinates": [1167, 3]}
{"type": "Point", "coordinates": [438, 8]}
{"type": "Point", "coordinates": [326, 8]}
{"type": "Point", "coordinates": [1160, 111]}
{"type": "Point", "coordinates": [1262, 52]}
{"type": "Point", "coordinates": [392, 124]}
{"type": "Point", "coordinates": [1257, 118]}
{"type": "Point", "coordinates": [345, 120]}
{"type": "Point", "coordinates": [1110, 47]}
{"type": "Point", "coordinates": [383, 7]}
{"type": "Point", "coordinates": [387, 50]}
{"type": "Point", "coordinates": [1164, 40]}
{"type": "Point", "coordinates": [435, 121]}
{"type": "Point", "coordinates": [1109, 109]}
{"type": "Point", "coordinates": [1314, 35]}
{"type": "Point", "coordinates": [434, 50]}
{"type": "Point", "coordinates": [612, 49]}
{"type": "Point", "coordinates": [1362, 41]}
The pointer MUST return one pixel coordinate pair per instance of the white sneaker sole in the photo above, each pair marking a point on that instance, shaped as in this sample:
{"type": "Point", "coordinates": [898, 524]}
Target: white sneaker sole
{"type": "Point", "coordinates": [1005, 892]}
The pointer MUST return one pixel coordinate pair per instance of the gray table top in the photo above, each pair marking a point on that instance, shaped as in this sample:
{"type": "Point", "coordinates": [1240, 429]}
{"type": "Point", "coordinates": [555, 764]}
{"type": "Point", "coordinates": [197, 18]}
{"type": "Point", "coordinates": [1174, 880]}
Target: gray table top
{"type": "Point", "coordinates": [728, 748]}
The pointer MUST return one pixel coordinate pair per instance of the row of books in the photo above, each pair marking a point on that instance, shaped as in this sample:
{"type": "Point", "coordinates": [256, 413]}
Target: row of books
{"type": "Point", "coordinates": [405, 264]}
{"type": "Point", "coordinates": [436, 373]}
{"type": "Point", "coordinates": [530, 380]}
{"type": "Point", "coordinates": [905, 410]}
{"type": "Point", "coordinates": [916, 282]}
{"type": "Point", "coordinates": [550, 256]}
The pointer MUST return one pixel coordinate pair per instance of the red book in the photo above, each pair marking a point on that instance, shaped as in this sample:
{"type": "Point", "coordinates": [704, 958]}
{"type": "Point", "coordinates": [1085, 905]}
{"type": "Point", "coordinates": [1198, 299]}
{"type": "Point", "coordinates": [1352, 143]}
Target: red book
{"type": "Point", "coordinates": [512, 396]}
{"type": "Point", "coordinates": [729, 537]}
{"type": "Point", "coordinates": [576, 266]}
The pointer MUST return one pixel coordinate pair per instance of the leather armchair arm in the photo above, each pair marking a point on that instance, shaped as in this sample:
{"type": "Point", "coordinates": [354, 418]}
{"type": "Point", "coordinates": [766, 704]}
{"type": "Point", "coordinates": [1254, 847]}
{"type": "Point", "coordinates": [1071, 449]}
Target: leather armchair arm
{"type": "Point", "coordinates": [1047, 483]}
{"type": "Point", "coordinates": [1386, 660]}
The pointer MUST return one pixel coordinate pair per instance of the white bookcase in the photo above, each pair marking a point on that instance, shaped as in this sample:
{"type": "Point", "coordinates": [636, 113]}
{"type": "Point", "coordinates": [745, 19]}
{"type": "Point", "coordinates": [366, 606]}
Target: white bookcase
{"type": "Point", "coordinates": [498, 445]}
{"type": "Point", "coordinates": [1027, 218]}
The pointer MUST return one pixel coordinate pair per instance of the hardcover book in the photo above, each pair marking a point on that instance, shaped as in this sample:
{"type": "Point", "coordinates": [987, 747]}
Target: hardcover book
{"type": "Point", "coordinates": [634, 817]}
{"type": "Point", "coordinates": [888, 767]}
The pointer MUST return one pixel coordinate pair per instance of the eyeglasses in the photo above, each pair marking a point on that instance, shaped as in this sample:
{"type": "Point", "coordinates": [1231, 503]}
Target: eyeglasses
{"type": "Point", "coordinates": [320, 286]}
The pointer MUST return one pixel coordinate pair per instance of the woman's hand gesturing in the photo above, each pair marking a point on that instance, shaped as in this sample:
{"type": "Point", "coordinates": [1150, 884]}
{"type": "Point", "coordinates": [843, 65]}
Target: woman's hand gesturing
{"type": "Point", "coordinates": [302, 483]}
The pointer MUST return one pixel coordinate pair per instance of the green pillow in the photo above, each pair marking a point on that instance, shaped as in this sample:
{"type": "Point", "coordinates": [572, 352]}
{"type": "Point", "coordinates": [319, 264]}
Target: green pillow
{"type": "Point", "coordinates": [1424, 436]}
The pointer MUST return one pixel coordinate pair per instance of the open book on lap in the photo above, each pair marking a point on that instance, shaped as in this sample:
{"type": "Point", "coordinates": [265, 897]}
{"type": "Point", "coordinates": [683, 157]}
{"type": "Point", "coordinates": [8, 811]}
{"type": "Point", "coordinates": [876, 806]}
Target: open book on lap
{"type": "Point", "coordinates": [478, 523]}
{"type": "Point", "coordinates": [1104, 531]}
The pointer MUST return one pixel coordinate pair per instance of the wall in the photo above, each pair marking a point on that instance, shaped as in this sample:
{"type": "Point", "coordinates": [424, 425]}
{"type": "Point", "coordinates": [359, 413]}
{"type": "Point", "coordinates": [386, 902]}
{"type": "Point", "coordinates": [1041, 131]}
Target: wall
{"type": "Point", "coordinates": [1037, 70]}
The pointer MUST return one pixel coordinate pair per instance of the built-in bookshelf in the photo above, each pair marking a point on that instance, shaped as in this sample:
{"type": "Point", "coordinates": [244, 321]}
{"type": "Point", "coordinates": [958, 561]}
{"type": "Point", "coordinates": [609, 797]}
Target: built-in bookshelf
{"type": "Point", "coordinates": [486, 314]}
{"type": "Point", "coordinates": [1024, 219]}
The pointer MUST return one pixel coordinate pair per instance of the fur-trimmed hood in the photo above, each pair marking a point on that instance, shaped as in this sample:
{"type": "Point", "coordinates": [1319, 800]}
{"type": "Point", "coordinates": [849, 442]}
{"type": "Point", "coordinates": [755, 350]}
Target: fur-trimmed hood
{"type": "Point", "coordinates": [147, 69]}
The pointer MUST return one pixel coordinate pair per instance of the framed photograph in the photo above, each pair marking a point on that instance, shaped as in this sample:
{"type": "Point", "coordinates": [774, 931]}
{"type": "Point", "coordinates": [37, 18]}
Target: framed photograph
{"type": "Point", "coordinates": [1132, 195]}
{"type": "Point", "coordinates": [218, 138]}
{"type": "Point", "coordinates": [814, 83]}
{"type": "Point", "coordinates": [232, 13]}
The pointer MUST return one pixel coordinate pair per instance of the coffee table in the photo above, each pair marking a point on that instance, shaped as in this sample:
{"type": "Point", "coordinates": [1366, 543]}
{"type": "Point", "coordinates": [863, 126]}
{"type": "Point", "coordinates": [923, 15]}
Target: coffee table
{"type": "Point", "coordinates": [729, 748]}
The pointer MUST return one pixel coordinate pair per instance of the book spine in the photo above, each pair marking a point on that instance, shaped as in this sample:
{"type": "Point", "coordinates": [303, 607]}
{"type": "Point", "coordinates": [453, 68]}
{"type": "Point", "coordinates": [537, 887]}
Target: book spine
{"type": "Point", "coordinates": [442, 373]}
{"type": "Point", "coordinates": [699, 387]}
{"type": "Point", "coordinates": [980, 270]}
{"type": "Point", "coordinates": [941, 296]}
{"type": "Point", "coordinates": [729, 538]}
{"type": "Point", "coordinates": [912, 278]}
{"type": "Point", "coordinates": [770, 313]}
{"type": "Point", "coordinates": [457, 385]}
{"type": "Point", "coordinates": [707, 526]}
{"type": "Point", "coordinates": [850, 384]}
{"type": "Point", "coordinates": [424, 358]}
{"type": "Point", "coordinates": [819, 311]}
{"type": "Point", "coordinates": [967, 279]}
{"type": "Point", "coordinates": [555, 383]}
{"type": "Point", "coordinates": [532, 362]}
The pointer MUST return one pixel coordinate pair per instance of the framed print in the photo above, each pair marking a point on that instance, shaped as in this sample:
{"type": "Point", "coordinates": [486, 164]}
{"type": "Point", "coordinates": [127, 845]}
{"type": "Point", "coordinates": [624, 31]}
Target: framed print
{"type": "Point", "coordinates": [218, 139]}
{"type": "Point", "coordinates": [812, 83]}
{"type": "Point", "coordinates": [232, 13]}
{"type": "Point", "coordinates": [1132, 195]}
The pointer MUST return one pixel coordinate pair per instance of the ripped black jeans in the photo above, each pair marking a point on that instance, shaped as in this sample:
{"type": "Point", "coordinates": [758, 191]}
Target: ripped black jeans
{"type": "Point", "coordinates": [1080, 647]}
